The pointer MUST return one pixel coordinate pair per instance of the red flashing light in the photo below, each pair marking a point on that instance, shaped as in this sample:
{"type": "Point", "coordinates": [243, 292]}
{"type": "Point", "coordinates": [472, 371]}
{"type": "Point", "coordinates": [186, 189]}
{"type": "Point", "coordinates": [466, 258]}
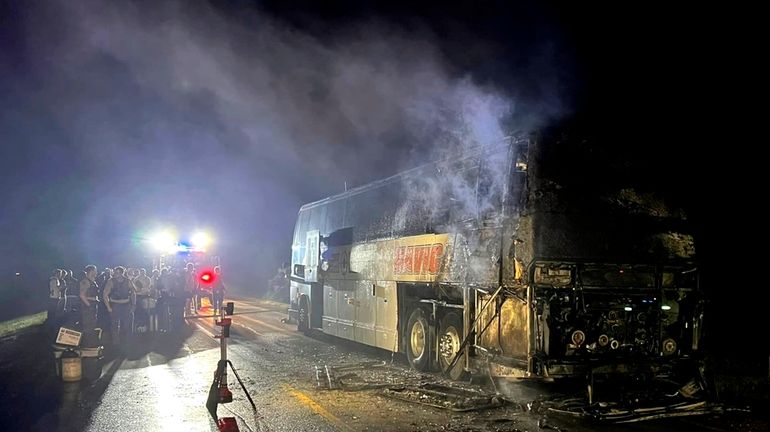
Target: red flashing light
{"type": "Point", "coordinates": [207, 277]}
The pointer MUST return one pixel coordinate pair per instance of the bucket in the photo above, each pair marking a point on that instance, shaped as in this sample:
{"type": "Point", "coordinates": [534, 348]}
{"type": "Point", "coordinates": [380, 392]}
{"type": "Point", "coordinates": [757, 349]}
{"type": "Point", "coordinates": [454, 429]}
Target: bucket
{"type": "Point", "coordinates": [71, 367]}
{"type": "Point", "coordinates": [91, 363]}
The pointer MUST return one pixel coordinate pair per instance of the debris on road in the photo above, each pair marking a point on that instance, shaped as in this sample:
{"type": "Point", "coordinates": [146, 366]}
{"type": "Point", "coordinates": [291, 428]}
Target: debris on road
{"type": "Point", "coordinates": [446, 397]}
{"type": "Point", "coordinates": [327, 376]}
{"type": "Point", "coordinates": [615, 412]}
{"type": "Point", "coordinates": [407, 387]}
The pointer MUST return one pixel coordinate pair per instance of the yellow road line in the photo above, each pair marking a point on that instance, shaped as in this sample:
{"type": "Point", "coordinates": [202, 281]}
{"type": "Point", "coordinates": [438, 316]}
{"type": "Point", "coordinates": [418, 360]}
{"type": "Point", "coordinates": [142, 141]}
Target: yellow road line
{"type": "Point", "coordinates": [318, 409]}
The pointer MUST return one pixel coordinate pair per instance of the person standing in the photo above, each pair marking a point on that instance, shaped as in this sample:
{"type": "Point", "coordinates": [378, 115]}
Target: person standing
{"type": "Point", "coordinates": [71, 282]}
{"type": "Point", "coordinates": [61, 310]}
{"type": "Point", "coordinates": [180, 298]}
{"type": "Point", "coordinates": [218, 289]}
{"type": "Point", "coordinates": [190, 289]}
{"type": "Point", "coordinates": [73, 289]}
{"type": "Point", "coordinates": [152, 301]}
{"type": "Point", "coordinates": [89, 297]}
{"type": "Point", "coordinates": [162, 286]}
{"type": "Point", "coordinates": [103, 277]}
{"type": "Point", "coordinates": [155, 276]}
{"type": "Point", "coordinates": [120, 297]}
{"type": "Point", "coordinates": [54, 297]}
{"type": "Point", "coordinates": [143, 284]}
{"type": "Point", "coordinates": [101, 281]}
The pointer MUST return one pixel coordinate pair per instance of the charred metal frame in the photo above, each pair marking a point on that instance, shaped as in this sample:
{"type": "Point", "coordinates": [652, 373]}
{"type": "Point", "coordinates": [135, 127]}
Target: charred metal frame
{"type": "Point", "coordinates": [509, 281]}
{"type": "Point", "coordinates": [617, 364]}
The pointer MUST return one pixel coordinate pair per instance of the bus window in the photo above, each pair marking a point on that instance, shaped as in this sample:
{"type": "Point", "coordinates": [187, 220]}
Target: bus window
{"type": "Point", "coordinates": [335, 216]}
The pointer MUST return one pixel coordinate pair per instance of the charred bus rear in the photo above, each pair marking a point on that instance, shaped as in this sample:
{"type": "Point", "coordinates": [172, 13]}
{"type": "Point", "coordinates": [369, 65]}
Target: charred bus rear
{"type": "Point", "coordinates": [495, 262]}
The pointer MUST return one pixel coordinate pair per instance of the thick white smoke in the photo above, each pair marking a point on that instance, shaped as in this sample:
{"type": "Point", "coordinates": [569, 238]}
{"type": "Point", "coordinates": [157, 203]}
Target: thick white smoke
{"type": "Point", "coordinates": [180, 107]}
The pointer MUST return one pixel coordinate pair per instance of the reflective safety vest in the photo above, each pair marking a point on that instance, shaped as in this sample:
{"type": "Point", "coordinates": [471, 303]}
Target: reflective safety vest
{"type": "Point", "coordinates": [120, 290]}
{"type": "Point", "coordinates": [93, 290]}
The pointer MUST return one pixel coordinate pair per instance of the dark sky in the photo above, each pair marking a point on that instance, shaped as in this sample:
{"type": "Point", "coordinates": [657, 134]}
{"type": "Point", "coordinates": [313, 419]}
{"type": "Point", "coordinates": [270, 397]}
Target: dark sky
{"type": "Point", "coordinates": [119, 118]}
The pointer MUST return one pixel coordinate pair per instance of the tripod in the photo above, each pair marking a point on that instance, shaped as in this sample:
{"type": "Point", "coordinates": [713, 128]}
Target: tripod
{"type": "Point", "coordinates": [219, 393]}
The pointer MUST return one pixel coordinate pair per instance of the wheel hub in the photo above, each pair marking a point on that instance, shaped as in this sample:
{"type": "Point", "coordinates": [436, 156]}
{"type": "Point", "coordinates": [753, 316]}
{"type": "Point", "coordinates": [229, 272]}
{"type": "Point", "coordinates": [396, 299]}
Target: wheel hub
{"type": "Point", "coordinates": [417, 339]}
{"type": "Point", "coordinates": [449, 344]}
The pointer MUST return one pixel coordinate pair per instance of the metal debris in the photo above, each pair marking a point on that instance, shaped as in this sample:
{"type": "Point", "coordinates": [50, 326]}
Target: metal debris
{"type": "Point", "coordinates": [614, 413]}
{"type": "Point", "coordinates": [445, 397]}
{"type": "Point", "coordinates": [327, 376]}
{"type": "Point", "coordinates": [412, 389]}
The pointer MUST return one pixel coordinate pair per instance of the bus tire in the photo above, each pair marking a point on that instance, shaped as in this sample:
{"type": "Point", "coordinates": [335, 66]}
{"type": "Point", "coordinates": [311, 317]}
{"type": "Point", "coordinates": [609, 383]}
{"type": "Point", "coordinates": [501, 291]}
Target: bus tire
{"type": "Point", "coordinates": [450, 336]}
{"type": "Point", "coordinates": [419, 340]}
{"type": "Point", "coordinates": [303, 316]}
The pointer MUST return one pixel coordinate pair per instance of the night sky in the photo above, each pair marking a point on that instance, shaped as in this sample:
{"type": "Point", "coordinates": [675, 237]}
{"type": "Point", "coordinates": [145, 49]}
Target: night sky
{"type": "Point", "coordinates": [119, 118]}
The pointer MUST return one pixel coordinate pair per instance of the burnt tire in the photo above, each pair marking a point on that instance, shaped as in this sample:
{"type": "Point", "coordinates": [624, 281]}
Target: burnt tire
{"type": "Point", "coordinates": [450, 336]}
{"type": "Point", "coordinates": [419, 340]}
{"type": "Point", "coordinates": [303, 316]}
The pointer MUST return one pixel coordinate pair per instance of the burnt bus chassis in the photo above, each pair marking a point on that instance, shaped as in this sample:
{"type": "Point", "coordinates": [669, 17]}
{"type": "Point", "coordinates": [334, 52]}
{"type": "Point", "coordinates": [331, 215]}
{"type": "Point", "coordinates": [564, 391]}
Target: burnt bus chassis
{"type": "Point", "coordinates": [469, 356]}
{"type": "Point", "coordinates": [478, 305]}
{"type": "Point", "coordinates": [613, 359]}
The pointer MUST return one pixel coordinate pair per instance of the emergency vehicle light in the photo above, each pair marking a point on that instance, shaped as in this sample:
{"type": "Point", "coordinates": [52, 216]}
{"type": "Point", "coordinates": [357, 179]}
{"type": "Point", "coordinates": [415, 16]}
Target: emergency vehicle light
{"type": "Point", "coordinates": [207, 277]}
{"type": "Point", "coordinates": [163, 241]}
{"type": "Point", "coordinates": [201, 240]}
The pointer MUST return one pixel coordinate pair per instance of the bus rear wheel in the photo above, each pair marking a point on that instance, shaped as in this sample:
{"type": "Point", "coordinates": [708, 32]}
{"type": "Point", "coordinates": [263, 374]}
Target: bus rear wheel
{"type": "Point", "coordinates": [449, 340]}
{"type": "Point", "coordinates": [419, 340]}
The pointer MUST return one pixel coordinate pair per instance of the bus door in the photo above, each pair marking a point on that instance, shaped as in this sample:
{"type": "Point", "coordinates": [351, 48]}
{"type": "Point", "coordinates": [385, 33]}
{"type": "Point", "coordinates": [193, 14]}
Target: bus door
{"type": "Point", "coordinates": [313, 277]}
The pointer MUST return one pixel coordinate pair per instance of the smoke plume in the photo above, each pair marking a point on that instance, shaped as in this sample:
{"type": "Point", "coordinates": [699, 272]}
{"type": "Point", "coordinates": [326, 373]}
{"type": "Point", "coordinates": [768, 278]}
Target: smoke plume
{"type": "Point", "coordinates": [187, 115]}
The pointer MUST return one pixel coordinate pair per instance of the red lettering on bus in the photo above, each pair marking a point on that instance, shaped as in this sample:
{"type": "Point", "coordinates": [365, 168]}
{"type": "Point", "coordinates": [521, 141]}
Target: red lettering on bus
{"type": "Point", "coordinates": [435, 258]}
{"type": "Point", "coordinates": [423, 259]}
{"type": "Point", "coordinates": [409, 260]}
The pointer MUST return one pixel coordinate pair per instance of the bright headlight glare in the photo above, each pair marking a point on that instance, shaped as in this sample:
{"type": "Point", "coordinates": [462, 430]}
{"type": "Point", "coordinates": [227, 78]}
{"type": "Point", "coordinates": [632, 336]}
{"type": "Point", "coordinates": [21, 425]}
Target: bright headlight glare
{"type": "Point", "coordinates": [201, 240]}
{"type": "Point", "coordinates": [163, 241]}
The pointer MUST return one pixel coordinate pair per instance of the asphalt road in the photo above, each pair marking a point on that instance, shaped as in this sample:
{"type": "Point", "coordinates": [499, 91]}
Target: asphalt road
{"type": "Point", "coordinates": [279, 364]}
{"type": "Point", "coordinates": [160, 383]}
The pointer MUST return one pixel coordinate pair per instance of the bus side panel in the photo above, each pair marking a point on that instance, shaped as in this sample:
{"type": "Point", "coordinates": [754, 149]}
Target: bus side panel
{"type": "Point", "coordinates": [365, 312]}
{"type": "Point", "coordinates": [330, 307]}
{"type": "Point", "coordinates": [386, 328]}
{"type": "Point", "coordinates": [346, 309]}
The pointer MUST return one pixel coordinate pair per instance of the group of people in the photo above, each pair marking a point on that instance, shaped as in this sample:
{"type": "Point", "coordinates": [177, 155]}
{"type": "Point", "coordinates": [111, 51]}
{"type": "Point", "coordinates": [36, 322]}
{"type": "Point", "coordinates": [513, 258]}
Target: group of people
{"type": "Point", "coordinates": [127, 301]}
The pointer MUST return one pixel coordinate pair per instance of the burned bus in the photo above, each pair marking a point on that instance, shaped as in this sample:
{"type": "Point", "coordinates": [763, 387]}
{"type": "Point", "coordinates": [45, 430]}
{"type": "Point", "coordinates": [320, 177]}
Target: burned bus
{"type": "Point", "coordinates": [503, 261]}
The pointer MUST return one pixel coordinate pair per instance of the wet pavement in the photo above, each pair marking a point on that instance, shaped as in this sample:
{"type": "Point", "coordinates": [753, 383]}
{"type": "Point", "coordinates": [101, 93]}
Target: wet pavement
{"type": "Point", "coordinates": [160, 383]}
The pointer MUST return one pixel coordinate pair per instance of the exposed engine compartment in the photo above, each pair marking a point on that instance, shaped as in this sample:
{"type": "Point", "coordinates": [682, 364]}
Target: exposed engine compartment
{"type": "Point", "coordinates": [606, 311]}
